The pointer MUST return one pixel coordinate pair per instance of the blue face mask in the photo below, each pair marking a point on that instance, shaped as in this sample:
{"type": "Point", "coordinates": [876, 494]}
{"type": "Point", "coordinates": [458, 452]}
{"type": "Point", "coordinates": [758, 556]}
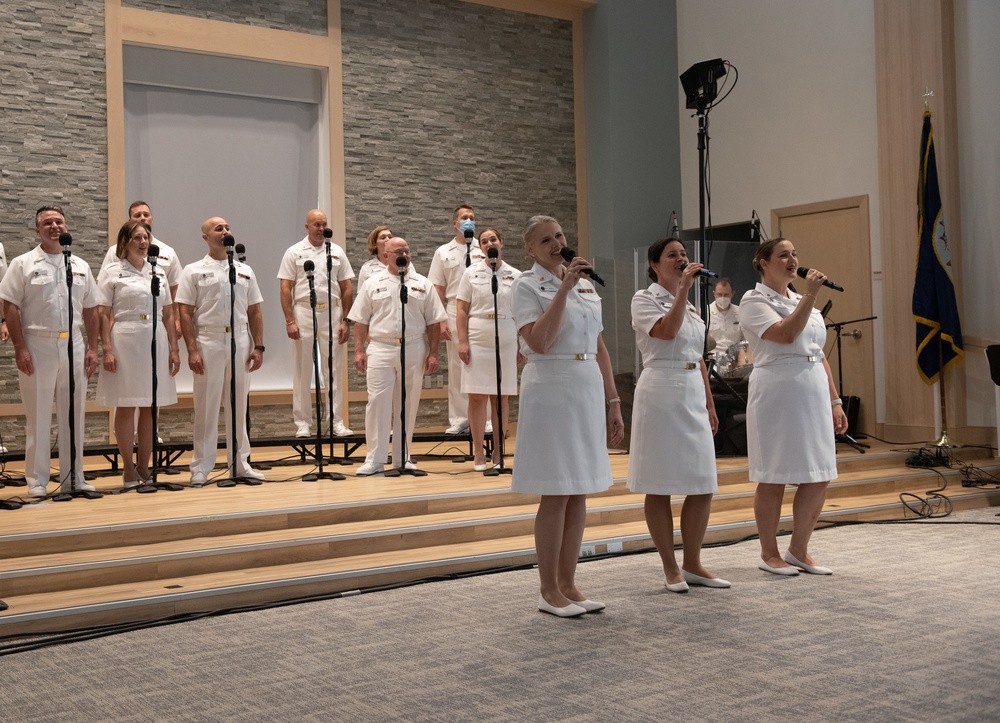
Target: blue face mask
{"type": "Point", "coordinates": [467, 225]}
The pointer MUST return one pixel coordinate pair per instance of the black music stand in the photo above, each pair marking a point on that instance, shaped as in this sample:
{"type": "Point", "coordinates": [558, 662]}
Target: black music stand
{"type": "Point", "coordinates": [838, 327]}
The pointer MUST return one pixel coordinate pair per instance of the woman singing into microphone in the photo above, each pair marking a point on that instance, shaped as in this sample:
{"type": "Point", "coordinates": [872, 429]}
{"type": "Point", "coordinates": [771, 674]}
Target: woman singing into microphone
{"type": "Point", "coordinates": [793, 409]}
{"type": "Point", "coordinates": [560, 451]}
{"type": "Point", "coordinates": [477, 332]}
{"type": "Point", "coordinates": [674, 417]}
{"type": "Point", "coordinates": [125, 303]}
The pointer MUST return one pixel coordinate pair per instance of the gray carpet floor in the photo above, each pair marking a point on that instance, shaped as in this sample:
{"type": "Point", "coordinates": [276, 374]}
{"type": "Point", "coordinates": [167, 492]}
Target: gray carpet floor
{"type": "Point", "coordinates": [906, 630]}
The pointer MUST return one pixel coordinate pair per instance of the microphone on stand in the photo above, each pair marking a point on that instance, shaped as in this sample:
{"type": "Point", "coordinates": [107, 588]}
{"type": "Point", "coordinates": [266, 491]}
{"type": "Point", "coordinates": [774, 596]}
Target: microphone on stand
{"type": "Point", "coordinates": [569, 254]}
{"type": "Point", "coordinates": [675, 232]}
{"type": "Point", "coordinates": [705, 273]}
{"type": "Point", "coordinates": [66, 240]}
{"type": "Point", "coordinates": [469, 234]}
{"type": "Point", "coordinates": [401, 265]}
{"type": "Point", "coordinates": [754, 227]}
{"type": "Point", "coordinates": [493, 253]}
{"type": "Point", "coordinates": [241, 253]}
{"type": "Point", "coordinates": [309, 268]}
{"type": "Point", "coordinates": [803, 270]}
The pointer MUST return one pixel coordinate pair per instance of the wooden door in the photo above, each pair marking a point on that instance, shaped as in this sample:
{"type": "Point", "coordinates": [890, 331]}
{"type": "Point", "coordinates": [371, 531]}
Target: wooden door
{"type": "Point", "coordinates": [833, 237]}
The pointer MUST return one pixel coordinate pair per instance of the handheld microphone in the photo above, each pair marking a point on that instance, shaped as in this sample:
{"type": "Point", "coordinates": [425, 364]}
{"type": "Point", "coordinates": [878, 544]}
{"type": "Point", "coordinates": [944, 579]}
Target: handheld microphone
{"type": "Point", "coordinates": [803, 270]}
{"type": "Point", "coordinates": [65, 240]}
{"type": "Point", "coordinates": [241, 253]}
{"type": "Point", "coordinates": [703, 273]}
{"type": "Point", "coordinates": [569, 254]}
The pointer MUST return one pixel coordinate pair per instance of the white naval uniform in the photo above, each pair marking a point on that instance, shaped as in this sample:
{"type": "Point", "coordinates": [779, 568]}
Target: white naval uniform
{"type": "Point", "coordinates": [447, 268]}
{"type": "Point", "coordinates": [476, 288]}
{"type": "Point", "coordinates": [371, 267]}
{"type": "Point", "coordinates": [378, 306]}
{"type": "Point", "coordinates": [724, 327]}
{"type": "Point", "coordinates": [561, 446]}
{"type": "Point", "coordinates": [167, 261]}
{"type": "Point", "coordinates": [327, 315]}
{"type": "Point", "coordinates": [127, 291]}
{"type": "Point", "coordinates": [36, 283]}
{"type": "Point", "coordinates": [205, 286]}
{"type": "Point", "coordinates": [672, 451]}
{"type": "Point", "coordinates": [790, 438]}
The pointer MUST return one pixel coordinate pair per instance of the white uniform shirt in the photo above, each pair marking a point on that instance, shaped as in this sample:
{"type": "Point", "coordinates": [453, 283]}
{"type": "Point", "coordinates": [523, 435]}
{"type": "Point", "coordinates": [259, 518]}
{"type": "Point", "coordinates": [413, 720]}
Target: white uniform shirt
{"type": "Point", "coordinates": [205, 286]}
{"type": "Point", "coordinates": [476, 287]}
{"type": "Point", "coordinates": [3, 262]}
{"type": "Point", "coordinates": [724, 326]}
{"type": "Point", "coordinates": [648, 307]}
{"type": "Point", "coordinates": [127, 290]}
{"type": "Point", "coordinates": [295, 257]}
{"type": "Point", "coordinates": [36, 283]}
{"type": "Point", "coordinates": [581, 323]}
{"type": "Point", "coordinates": [763, 307]}
{"type": "Point", "coordinates": [448, 266]}
{"type": "Point", "coordinates": [167, 261]}
{"type": "Point", "coordinates": [378, 306]}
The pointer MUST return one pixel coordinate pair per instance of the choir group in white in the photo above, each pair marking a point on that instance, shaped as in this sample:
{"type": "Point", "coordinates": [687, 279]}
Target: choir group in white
{"type": "Point", "coordinates": [549, 318]}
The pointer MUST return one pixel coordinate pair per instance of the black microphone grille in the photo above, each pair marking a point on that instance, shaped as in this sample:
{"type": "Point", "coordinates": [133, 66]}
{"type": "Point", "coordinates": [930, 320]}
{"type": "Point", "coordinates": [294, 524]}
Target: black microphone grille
{"type": "Point", "coordinates": [567, 253]}
{"type": "Point", "coordinates": [400, 261]}
{"type": "Point", "coordinates": [308, 266]}
{"type": "Point", "coordinates": [493, 252]}
{"type": "Point", "coordinates": [328, 233]}
{"type": "Point", "coordinates": [469, 233]}
{"type": "Point", "coordinates": [802, 271]}
{"type": "Point", "coordinates": [228, 240]}
{"type": "Point", "coordinates": [66, 239]}
{"type": "Point", "coordinates": [241, 249]}
{"type": "Point", "coordinates": [153, 251]}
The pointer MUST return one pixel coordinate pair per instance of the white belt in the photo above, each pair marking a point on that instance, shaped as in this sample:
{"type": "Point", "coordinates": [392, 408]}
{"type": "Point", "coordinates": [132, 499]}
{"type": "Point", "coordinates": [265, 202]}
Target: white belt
{"type": "Point", "coordinates": [491, 316]}
{"type": "Point", "coordinates": [394, 340]}
{"type": "Point", "coordinates": [307, 304]}
{"type": "Point", "coordinates": [48, 334]}
{"type": "Point", "coordinates": [134, 317]}
{"type": "Point", "coordinates": [811, 359]}
{"type": "Point", "coordinates": [220, 329]}
{"type": "Point", "coordinates": [564, 357]}
{"type": "Point", "coordinates": [670, 364]}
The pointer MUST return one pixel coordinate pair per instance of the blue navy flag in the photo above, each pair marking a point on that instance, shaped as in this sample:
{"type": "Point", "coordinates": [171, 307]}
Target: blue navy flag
{"type": "Point", "coordinates": [939, 333]}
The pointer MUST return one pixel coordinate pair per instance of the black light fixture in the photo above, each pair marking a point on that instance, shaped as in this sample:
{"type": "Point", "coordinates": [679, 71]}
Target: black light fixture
{"type": "Point", "coordinates": [700, 83]}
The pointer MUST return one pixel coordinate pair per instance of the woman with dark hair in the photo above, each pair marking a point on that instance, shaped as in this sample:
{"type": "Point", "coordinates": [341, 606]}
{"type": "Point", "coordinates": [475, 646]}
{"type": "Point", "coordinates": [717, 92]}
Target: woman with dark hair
{"type": "Point", "coordinates": [477, 332]}
{"type": "Point", "coordinates": [376, 245]}
{"type": "Point", "coordinates": [125, 305]}
{"type": "Point", "coordinates": [560, 451]}
{"type": "Point", "coordinates": [793, 409]}
{"type": "Point", "coordinates": [673, 419]}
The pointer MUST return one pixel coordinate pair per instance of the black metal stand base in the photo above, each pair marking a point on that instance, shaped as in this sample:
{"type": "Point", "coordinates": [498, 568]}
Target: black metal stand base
{"type": "Point", "coordinates": [399, 471]}
{"type": "Point", "coordinates": [852, 442]}
{"type": "Point", "coordinates": [86, 494]}
{"type": "Point", "coordinates": [313, 476]}
{"type": "Point", "coordinates": [497, 471]}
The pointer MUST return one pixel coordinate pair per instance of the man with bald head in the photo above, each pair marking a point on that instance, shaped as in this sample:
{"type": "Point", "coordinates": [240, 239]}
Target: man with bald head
{"type": "Point", "coordinates": [299, 324]}
{"type": "Point", "coordinates": [377, 317]}
{"type": "Point", "coordinates": [203, 298]}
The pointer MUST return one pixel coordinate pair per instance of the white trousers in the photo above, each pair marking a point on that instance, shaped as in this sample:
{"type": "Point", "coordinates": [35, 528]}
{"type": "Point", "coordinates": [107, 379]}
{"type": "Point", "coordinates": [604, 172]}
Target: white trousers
{"type": "Point", "coordinates": [384, 392]}
{"type": "Point", "coordinates": [208, 388]}
{"type": "Point", "coordinates": [458, 403]}
{"type": "Point", "coordinates": [51, 380]}
{"type": "Point", "coordinates": [303, 407]}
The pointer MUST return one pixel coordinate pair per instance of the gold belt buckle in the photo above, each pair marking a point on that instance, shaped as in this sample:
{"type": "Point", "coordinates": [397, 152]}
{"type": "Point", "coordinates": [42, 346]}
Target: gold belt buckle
{"type": "Point", "coordinates": [690, 365]}
{"type": "Point", "coordinates": [398, 341]}
{"type": "Point", "coordinates": [320, 306]}
{"type": "Point", "coordinates": [143, 317]}
{"type": "Point", "coordinates": [491, 316]}
{"type": "Point", "coordinates": [64, 335]}
{"type": "Point", "coordinates": [812, 359]}
{"type": "Point", "coordinates": [581, 357]}
{"type": "Point", "coordinates": [229, 329]}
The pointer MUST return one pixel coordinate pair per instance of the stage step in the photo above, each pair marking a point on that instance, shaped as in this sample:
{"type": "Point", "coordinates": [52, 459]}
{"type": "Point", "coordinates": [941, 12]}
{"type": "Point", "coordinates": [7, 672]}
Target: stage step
{"type": "Point", "coordinates": [91, 574]}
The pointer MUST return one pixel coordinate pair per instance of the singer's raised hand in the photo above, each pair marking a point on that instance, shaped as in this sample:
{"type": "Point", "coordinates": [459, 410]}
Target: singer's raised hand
{"type": "Point", "coordinates": [814, 282]}
{"type": "Point", "coordinates": [688, 274]}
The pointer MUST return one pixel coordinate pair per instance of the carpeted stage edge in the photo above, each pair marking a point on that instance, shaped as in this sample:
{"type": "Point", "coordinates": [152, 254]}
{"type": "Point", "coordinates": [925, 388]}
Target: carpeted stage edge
{"type": "Point", "coordinates": [906, 629]}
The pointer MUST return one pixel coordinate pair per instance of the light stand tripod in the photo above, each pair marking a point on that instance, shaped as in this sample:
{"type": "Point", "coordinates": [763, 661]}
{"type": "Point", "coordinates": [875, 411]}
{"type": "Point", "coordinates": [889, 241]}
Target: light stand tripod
{"type": "Point", "coordinates": [838, 327]}
{"type": "Point", "coordinates": [309, 268]}
{"type": "Point", "coordinates": [66, 240]}
{"type": "Point", "coordinates": [401, 469]}
{"type": "Point", "coordinates": [493, 254]}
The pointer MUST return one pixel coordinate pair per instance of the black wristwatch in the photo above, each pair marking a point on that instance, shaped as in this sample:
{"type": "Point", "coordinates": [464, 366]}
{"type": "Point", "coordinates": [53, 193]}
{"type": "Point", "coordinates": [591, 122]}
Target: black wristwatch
{"type": "Point", "coordinates": [260, 348]}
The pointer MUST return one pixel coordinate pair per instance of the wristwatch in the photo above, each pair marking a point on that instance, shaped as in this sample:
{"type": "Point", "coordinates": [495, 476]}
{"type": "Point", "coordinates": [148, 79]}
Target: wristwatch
{"type": "Point", "coordinates": [260, 348]}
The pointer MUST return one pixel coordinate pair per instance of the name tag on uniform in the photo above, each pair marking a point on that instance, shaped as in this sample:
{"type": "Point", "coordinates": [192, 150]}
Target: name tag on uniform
{"type": "Point", "coordinates": [40, 277]}
{"type": "Point", "coordinates": [208, 280]}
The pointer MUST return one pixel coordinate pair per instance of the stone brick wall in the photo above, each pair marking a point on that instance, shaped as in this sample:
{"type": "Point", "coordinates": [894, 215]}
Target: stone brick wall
{"type": "Point", "coordinates": [456, 103]}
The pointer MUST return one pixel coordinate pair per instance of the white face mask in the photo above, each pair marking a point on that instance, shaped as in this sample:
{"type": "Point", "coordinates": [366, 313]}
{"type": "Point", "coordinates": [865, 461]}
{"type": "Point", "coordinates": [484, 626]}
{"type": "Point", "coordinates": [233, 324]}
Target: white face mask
{"type": "Point", "coordinates": [723, 302]}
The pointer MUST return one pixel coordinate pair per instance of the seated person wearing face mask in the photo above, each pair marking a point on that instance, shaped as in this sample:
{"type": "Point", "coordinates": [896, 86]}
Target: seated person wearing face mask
{"type": "Point", "coordinates": [724, 324]}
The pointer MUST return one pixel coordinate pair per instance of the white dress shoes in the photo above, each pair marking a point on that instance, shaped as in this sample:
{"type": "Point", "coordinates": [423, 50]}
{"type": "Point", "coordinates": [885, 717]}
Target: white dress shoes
{"type": "Point", "coordinates": [36, 490]}
{"type": "Point", "coordinates": [480, 467]}
{"type": "Point", "coordinates": [370, 468]}
{"type": "Point", "coordinates": [250, 473]}
{"type": "Point", "coordinates": [681, 586]}
{"type": "Point", "coordinates": [460, 428]}
{"type": "Point", "coordinates": [197, 478]}
{"type": "Point", "coordinates": [691, 579]}
{"type": "Point", "coordinates": [591, 606]}
{"type": "Point", "coordinates": [570, 611]}
{"type": "Point", "coordinates": [811, 569]}
{"type": "Point", "coordinates": [339, 430]}
{"type": "Point", "coordinates": [789, 571]}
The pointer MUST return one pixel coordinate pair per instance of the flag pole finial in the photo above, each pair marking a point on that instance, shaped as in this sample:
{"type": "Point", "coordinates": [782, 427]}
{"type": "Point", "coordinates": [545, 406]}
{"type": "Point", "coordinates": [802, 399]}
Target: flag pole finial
{"type": "Point", "coordinates": [928, 93]}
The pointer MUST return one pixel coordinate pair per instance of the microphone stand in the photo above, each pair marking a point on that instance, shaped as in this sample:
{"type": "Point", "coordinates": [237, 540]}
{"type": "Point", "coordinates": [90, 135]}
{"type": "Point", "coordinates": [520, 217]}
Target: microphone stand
{"type": "Point", "coordinates": [837, 327]}
{"type": "Point", "coordinates": [497, 471]}
{"type": "Point", "coordinates": [321, 474]}
{"type": "Point", "coordinates": [329, 345]}
{"type": "Point", "coordinates": [241, 256]}
{"type": "Point", "coordinates": [402, 468]}
{"type": "Point", "coordinates": [65, 240]}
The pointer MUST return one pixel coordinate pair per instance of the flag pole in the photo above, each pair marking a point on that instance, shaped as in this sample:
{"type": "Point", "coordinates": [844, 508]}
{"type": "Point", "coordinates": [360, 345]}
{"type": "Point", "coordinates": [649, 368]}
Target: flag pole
{"type": "Point", "coordinates": [944, 441]}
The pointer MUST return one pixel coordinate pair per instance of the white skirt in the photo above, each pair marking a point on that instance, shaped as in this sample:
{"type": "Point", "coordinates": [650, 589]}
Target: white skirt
{"type": "Point", "coordinates": [672, 452]}
{"type": "Point", "coordinates": [561, 446]}
{"type": "Point", "coordinates": [790, 436]}
{"type": "Point", "coordinates": [132, 384]}
{"type": "Point", "coordinates": [480, 376]}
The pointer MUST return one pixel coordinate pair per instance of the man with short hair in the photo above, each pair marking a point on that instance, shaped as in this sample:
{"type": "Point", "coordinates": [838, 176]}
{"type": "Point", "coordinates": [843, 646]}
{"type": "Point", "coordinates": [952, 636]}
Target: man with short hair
{"type": "Point", "coordinates": [203, 297]}
{"type": "Point", "coordinates": [447, 268]}
{"type": "Point", "coordinates": [724, 320]}
{"type": "Point", "coordinates": [295, 303]}
{"type": "Point", "coordinates": [377, 317]}
{"type": "Point", "coordinates": [167, 261]}
{"type": "Point", "coordinates": [34, 293]}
